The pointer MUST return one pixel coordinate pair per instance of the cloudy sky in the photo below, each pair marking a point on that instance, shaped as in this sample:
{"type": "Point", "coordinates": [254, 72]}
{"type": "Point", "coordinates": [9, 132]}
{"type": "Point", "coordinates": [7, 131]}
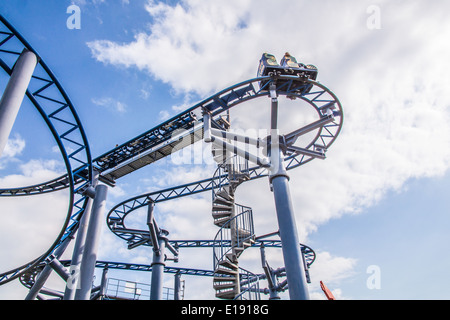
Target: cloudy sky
{"type": "Point", "coordinates": [375, 211]}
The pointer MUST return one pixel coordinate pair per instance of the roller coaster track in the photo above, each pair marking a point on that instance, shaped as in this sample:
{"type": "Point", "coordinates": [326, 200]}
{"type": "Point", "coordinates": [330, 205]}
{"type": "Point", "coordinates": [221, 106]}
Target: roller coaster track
{"type": "Point", "coordinates": [309, 254]}
{"type": "Point", "coordinates": [183, 130]}
{"type": "Point", "coordinates": [327, 129]}
{"type": "Point", "coordinates": [53, 104]}
{"type": "Point", "coordinates": [28, 278]}
{"type": "Point", "coordinates": [219, 103]}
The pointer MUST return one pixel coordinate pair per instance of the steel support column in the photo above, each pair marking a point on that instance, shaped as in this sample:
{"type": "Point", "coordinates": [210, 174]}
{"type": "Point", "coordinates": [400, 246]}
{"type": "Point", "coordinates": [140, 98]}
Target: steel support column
{"type": "Point", "coordinates": [14, 93]}
{"type": "Point", "coordinates": [279, 180]}
{"type": "Point", "coordinates": [104, 283]}
{"type": "Point", "coordinates": [158, 265]}
{"type": "Point", "coordinates": [177, 287]}
{"type": "Point", "coordinates": [80, 242]}
{"type": "Point", "coordinates": [271, 280]}
{"type": "Point", "coordinates": [293, 258]}
{"type": "Point", "coordinates": [91, 246]}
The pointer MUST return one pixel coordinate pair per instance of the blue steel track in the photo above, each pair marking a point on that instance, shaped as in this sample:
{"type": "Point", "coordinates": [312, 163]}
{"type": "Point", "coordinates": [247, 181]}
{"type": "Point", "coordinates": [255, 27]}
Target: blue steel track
{"type": "Point", "coordinates": [145, 149]}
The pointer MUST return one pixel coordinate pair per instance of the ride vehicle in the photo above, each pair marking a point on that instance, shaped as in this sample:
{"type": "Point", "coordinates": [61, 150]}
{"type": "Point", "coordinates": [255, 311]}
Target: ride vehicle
{"type": "Point", "coordinates": [268, 66]}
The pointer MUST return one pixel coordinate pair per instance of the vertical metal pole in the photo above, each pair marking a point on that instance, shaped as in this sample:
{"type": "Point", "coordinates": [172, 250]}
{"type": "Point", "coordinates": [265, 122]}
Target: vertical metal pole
{"type": "Point", "coordinates": [177, 287]}
{"type": "Point", "coordinates": [73, 282]}
{"type": "Point", "coordinates": [80, 242]}
{"type": "Point", "coordinates": [273, 293]}
{"type": "Point", "coordinates": [14, 93]}
{"type": "Point", "coordinates": [92, 241]}
{"type": "Point", "coordinates": [158, 267]}
{"type": "Point", "coordinates": [103, 284]}
{"type": "Point", "coordinates": [293, 258]}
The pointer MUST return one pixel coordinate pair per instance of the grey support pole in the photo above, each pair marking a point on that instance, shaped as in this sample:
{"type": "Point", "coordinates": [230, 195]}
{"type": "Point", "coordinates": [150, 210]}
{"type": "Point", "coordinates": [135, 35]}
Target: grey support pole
{"type": "Point", "coordinates": [14, 93]}
{"type": "Point", "coordinates": [279, 180]}
{"type": "Point", "coordinates": [75, 266]}
{"type": "Point", "coordinates": [80, 242]}
{"type": "Point", "coordinates": [177, 287]}
{"type": "Point", "coordinates": [273, 293]}
{"type": "Point", "coordinates": [92, 241]}
{"type": "Point", "coordinates": [104, 283]}
{"type": "Point", "coordinates": [158, 265]}
{"type": "Point", "coordinates": [293, 258]}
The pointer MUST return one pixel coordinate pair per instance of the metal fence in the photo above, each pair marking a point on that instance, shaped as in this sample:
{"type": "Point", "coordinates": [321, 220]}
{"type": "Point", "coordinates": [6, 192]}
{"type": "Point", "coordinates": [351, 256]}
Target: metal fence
{"type": "Point", "coordinates": [128, 290]}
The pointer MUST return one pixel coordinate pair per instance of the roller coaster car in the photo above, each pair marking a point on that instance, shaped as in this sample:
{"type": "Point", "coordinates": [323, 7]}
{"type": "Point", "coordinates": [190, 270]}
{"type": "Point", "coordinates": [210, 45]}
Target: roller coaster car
{"type": "Point", "coordinates": [269, 66]}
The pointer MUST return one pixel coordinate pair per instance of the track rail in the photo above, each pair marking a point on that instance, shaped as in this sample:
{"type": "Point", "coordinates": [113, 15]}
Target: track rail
{"type": "Point", "coordinates": [185, 129]}
{"type": "Point", "coordinates": [49, 98]}
{"type": "Point", "coordinates": [318, 97]}
{"type": "Point", "coordinates": [47, 95]}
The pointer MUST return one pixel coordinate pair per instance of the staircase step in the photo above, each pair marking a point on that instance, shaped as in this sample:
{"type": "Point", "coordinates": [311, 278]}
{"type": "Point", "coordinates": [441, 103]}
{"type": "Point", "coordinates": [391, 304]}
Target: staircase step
{"type": "Point", "coordinates": [221, 222]}
{"type": "Point", "coordinates": [224, 288]}
{"type": "Point", "coordinates": [225, 193]}
{"type": "Point", "coordinates": [231, 257]}
{"type": "Point", "coordinates": [222, 208]}
{"type": "Point", "coordinates": [221, 214]}
{"type": "Point", "coordinates": [244, 244]}
{"type": "Point", "coordinates": [238, 251]}
{"type": "Point", "coordinates": [243, 233]}
{"type": "Point", "coordinates": [219, 159]}
{"type": "Point", "coordinates": [219, 280]}
{"type": "Point", "coordinates": [218, 154]}
{"type": "Point", "coordinates": [222, 201]}
{"type": "Point", "coordinates": [227, 271]}
{"type": "Point", "coordinates": [227, 263]}
{"type": "Point", "coordinates": [229, 294]}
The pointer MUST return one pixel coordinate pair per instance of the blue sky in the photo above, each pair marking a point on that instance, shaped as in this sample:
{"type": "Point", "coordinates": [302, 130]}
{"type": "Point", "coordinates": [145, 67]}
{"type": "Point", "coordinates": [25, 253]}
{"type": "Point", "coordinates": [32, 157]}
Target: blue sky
{"type": "Point", "coordinates": [379, 199]}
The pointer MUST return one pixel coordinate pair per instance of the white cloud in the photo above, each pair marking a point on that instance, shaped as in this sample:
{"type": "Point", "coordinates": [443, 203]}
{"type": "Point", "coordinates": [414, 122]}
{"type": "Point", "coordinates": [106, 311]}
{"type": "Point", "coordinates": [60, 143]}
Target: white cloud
{"type": "Point", "coordinates": [14, 146]}
{"type": "Point", "coordinates": [30, 224]}
{"type": "Point", "coordinates": [331, 270]}
{"type": "Point", "coordinates": [33, 172]}
{"type": "Point", "coordinates": [391, 81]}
{"type": "Point", "coordinates": [191, 54]}
{"type": "Point", "coordinates": [110, 104]}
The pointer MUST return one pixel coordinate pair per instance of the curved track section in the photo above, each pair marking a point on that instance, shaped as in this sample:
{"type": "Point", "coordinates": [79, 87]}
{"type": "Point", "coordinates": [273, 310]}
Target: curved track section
{"type": "Point", "coordinates": [28, 278]}
{"type": "Point", "coordinates": [313, 93]}
{"type": "Point", "coordinates": [324, 131]}
{"type": "Point", "coordinates": [53, 104]}
{"type": "Point", "coordinates": [49, 98]}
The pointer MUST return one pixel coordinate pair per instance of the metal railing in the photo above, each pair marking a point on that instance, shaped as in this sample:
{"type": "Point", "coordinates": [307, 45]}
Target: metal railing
{"type": "Point", "coordinates": [237, 170]}
{"type": "Point", "coordinates": [118, 289]}
{"type": "Point", "coordinates": [234, 233]}
{"type": "Point", "coordinates": [249, 286]}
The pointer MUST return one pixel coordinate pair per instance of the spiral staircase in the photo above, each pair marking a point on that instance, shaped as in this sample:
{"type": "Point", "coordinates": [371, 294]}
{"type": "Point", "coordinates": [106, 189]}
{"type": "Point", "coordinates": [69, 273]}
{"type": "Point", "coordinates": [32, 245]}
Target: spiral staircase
{"type": "Point", "coordinates": [235, 222]}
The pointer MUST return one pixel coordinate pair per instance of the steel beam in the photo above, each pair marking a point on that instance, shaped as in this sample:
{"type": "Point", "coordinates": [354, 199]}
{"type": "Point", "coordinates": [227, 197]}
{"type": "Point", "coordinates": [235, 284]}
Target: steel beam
{"type": "Point", "coordinates": [14, 93]}
{"type": "Point", "coordinates": [77, 253]}
{"type": "Point", "coordinates": [177, 287]}
{"type": "Point", "coordinates": [92, 242]}
{"type": "Point", "coordinates": [279, 180]}
{"type": "Point", "coordinates": [158, 265]}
